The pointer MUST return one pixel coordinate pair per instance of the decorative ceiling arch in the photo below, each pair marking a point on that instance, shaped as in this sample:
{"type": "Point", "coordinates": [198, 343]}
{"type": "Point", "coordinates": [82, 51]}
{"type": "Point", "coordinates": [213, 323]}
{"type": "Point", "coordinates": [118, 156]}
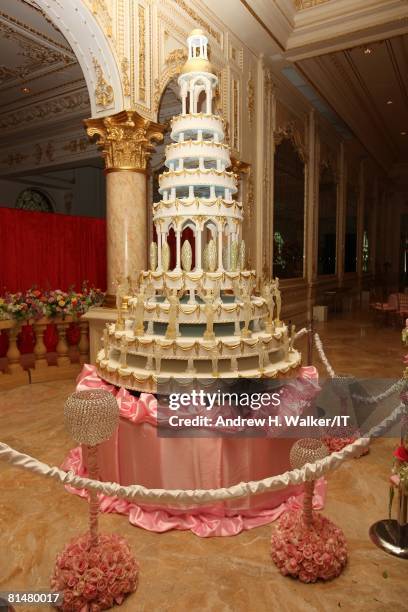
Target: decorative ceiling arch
{"type": "Point", "coordinates": [93, 52]}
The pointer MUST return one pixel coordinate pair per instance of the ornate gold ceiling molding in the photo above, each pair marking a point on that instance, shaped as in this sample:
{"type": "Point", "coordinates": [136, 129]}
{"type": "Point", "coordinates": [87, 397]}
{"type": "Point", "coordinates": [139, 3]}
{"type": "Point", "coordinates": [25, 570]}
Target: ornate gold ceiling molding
{"type": "Point", "coordinates": [305, 4]}
{"type": "Point", "coordinates": [13, 159]}
{"type": "Point", "coordinates": [126, 140]}
{"type": "Point", "coordinates": [37, 53]}
{"type": "Point", "coordinates": [46, 110]}
{"type": "Point", "coordinates": [12, 21]}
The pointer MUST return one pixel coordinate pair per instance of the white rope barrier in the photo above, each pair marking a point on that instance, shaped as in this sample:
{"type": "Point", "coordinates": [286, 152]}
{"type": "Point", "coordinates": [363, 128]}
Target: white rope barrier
{"type": "Point", "coordinates": [201, 496]}
{"type": "Point", "coordinates": [301, 333]}
{"type": "Point", "coordinates": [322, 355]}
{"type": "Point", "coordinates": [396, 387]}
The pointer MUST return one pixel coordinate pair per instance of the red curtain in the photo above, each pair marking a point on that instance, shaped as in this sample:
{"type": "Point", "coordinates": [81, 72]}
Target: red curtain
{"type": "Point", "coordinates": [50, 251]}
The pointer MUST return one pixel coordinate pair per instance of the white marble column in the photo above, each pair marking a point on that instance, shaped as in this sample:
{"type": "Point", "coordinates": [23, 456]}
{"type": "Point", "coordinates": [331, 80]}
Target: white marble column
{"type": "Point", "coordinates": [126, 143]}
{"type": "Point", "coordinates": [126, 224]}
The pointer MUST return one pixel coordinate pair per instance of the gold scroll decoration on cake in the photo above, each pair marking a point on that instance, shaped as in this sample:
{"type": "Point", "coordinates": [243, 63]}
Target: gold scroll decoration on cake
{"type": "Point", "coordinates": [126, 140]}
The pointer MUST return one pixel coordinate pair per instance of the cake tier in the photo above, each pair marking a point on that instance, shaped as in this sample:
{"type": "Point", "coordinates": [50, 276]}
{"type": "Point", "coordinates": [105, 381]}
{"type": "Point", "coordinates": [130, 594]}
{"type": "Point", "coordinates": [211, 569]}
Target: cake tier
{"type": "Point", "coordinates": [200, 215]}
{"type": "Point", "coordinates": [196, 149]}
{"type": "Point", "coordinates": [209, 177]}
{"type": "Point", "coordinates": [197, 347]}
{"type": "Point", "coordinates": [193, 312]}
{"type": "Point", "coordinates": [199, 206]}
{"type": "Point", "coordinates": [140, 375]}
{"type": "Point", "coordinates": [197, 280]}
{"type": "Point", "coordinates": [190, 125]}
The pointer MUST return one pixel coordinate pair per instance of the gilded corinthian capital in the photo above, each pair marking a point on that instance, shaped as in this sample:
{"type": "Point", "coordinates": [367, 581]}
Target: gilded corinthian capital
{"type": "Point", "coordinates": [125, 139]}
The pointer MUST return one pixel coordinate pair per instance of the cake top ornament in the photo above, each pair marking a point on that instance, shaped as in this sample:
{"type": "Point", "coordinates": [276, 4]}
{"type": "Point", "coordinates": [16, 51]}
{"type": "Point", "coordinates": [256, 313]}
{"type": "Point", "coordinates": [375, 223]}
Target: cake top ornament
{"type": "Point", "coordinates": [198, 293]}
{"type": "Point", "coordinates": [197, 54]}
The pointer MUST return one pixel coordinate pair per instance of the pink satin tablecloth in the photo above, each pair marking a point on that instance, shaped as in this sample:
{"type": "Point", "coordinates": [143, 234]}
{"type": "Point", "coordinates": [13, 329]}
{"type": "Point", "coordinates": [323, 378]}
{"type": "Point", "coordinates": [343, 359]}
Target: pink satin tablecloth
{"type": "Point", "coordinates": [137, 455]}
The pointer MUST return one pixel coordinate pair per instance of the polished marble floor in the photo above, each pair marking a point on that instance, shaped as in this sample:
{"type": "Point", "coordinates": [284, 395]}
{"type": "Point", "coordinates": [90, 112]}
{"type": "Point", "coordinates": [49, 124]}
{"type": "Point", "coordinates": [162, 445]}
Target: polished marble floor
{"type": "Point", "coordinates": [180, 571]}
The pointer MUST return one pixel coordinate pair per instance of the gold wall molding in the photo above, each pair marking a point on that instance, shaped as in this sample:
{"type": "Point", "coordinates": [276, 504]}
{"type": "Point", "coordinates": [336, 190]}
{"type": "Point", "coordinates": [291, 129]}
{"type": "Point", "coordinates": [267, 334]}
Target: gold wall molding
{"type": "Point", "coordinates": [125, 76]}
{"type": "Point", "coordinates": [235, 114]}
{"type": "Point", "coordinates": [100, 9]}
{"type": "Point", "coordinates": [104, 95]}
{"type": "Point", "coordinates": [125, 139]}
{"type": "Point", "coordinates": [290, 132]}
{"type": "Point", "coordinates": [250, 99]}
{"type": "Point", "coordinates": [243, 170]}
{"type": "Point", "coordinates": [173, 65]}
{"type": "Point", "coordinates": [142, 53]}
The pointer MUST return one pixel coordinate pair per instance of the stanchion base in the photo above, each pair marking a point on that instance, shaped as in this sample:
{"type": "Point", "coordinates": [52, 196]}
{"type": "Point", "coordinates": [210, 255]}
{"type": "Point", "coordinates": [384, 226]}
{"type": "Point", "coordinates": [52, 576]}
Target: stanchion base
{"type": "Point", "coordinates": [391, 537]}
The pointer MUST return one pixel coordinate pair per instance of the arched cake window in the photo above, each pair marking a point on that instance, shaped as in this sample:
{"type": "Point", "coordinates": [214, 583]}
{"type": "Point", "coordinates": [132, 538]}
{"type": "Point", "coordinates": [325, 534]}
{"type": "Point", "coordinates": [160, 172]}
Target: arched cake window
{"type": "Point", "coordinates": [34, 199]}
{"type": "Point", "coordinates": [289, 211]}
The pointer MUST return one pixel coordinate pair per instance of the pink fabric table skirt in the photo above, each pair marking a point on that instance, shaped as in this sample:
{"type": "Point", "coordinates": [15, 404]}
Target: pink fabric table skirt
{"type": "Point", "coordinates": [137, 455]}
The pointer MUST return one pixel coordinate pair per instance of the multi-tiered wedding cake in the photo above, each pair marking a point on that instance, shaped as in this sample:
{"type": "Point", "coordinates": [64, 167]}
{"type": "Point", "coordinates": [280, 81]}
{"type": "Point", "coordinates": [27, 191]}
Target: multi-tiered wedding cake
{"type": "Point", "coordinates": [202, 318]}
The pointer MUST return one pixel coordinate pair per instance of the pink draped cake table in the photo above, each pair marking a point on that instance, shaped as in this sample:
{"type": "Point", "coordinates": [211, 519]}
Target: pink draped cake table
{"type": "Point", "coordinates": [137, 455]}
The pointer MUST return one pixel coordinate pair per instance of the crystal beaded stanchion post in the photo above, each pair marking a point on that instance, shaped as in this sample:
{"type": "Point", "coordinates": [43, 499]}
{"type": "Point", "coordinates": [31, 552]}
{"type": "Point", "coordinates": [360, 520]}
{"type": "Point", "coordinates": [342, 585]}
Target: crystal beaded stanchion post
{"type": "Point", "coordinates": [305, 544]}
{"type": "Point", "coordinates": [94, 570]}
{"type": "Point", "coordinates": [389, 534]}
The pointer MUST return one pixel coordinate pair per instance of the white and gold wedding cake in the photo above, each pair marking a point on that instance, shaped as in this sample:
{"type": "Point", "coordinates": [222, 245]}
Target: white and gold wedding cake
{"type": "Point", "coordinates": [198, 317]}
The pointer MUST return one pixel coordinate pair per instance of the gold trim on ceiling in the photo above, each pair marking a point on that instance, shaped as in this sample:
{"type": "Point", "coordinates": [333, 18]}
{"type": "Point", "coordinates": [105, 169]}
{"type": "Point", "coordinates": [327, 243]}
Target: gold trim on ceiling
{"type": "Point", "coordinates": [41, 35]}
{"type": "Point", "coordinates": [262, 24]}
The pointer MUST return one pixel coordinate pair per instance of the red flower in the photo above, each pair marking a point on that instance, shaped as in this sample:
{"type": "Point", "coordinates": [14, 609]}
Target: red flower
{"type": "Point", "coordinates": [401, 453]}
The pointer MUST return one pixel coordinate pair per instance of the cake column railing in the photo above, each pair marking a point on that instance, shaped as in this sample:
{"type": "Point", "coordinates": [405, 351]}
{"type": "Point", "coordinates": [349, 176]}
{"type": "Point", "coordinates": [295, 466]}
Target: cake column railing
{"type": "Point", "coordinates": [178, 248]}
{"type": "Point", "coordinates": [220, 239]}
{"type": "Point", "coordinates": [198, 236]}
{"type": "Point", "coordinates": [159, 247]}
{"type": "Point", "coordinates": [208, 99]}
{"type": "Point", "coordinates": [229, 237]}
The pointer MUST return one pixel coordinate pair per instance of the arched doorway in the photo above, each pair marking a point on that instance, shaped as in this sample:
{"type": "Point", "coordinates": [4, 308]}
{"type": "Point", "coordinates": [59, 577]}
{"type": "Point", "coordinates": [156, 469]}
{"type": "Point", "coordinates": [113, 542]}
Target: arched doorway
{"type": "Point", "coordinates": [92, 50]}
{"type": "Point", "coordinates": [47, 89]}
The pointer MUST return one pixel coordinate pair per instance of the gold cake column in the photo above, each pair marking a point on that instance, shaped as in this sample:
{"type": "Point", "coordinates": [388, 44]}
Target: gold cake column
{"type": "Point", "coordinates": [126, 140]}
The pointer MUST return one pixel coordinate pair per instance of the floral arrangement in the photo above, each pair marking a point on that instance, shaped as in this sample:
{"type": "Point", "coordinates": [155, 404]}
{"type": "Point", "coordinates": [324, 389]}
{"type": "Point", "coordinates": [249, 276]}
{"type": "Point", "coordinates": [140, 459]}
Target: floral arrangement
{"type": "Point", "coordinates": [308, 553]}
{"type": "Point", "coordinates": [94, 578]}
{"type": "Point", "coordinates": [36, 303]}
{"type": "Point", "coordinates": [399, 471]}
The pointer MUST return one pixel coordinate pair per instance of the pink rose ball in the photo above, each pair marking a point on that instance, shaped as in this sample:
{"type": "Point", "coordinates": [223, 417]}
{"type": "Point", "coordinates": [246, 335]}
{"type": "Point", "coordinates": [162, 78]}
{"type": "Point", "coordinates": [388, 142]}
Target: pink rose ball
{"type": "Point", "coordinates": [95, 578]}
{"type": "Point", "coordinates": [318, 552]}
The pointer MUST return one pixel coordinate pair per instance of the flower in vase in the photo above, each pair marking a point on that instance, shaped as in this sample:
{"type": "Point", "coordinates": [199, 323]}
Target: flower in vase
{"type": "Point", "coordinates": [401, 453]}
